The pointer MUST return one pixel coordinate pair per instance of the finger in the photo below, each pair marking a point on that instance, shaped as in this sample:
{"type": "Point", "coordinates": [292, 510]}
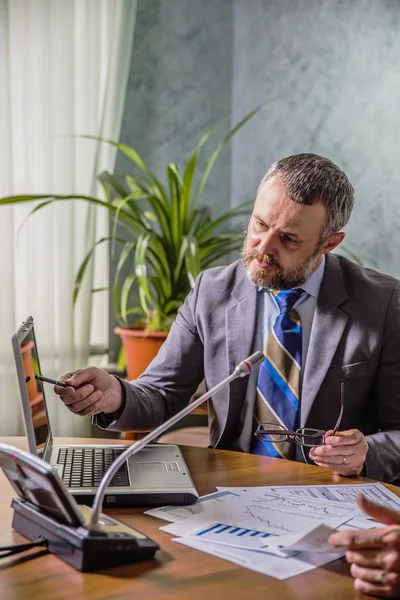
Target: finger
{"type": "Point", "coordinates": [351, 436]}
{"type": "Point", "coordinates": [333, 453]}
{"type": "Point", "coordinates": [78, 395]}
{"type": "Point", "coordinates": [360, 538]}
{"type": "Point", "coordinates": [345, 470]}
{"type": "Point", "coordinates": [377, 576]}
{"type": "Point", "coordinates": [371, 575]}
{"type": "Point", "coordinates": [373, 589]}
{"type": "Point", "coordinates": [86, 402]}
{"type": "Point", "coordinates": [387, 560]}
{"type": "Point", "coordinates": [92, 409]}
{"type": "Point", "coordinates": [81, 377]}
{"type": "Point", "coordinates": [62, 391]}
{"type": "Point", "coordinates": [370, 557]}
{"type": "Point", "coordinates": [382, 514]}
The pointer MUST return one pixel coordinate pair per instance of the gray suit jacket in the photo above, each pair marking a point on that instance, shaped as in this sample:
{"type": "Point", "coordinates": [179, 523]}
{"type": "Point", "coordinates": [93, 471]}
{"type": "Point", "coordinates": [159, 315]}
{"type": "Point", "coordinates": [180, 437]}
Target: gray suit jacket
{"type": "Point", "coordinates": [355, 338]}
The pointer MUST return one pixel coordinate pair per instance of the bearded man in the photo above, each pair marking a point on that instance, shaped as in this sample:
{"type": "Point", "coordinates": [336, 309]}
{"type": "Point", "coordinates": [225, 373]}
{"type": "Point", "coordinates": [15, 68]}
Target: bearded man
{"type": "Point", "coordinates": [328, 391]}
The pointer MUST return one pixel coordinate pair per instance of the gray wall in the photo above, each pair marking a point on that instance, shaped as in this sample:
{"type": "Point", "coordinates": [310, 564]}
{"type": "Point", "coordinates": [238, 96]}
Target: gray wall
{"type": "Point", "coordinates": [333, 66]}
{"type": "Point", "coordinates": [179, 88]}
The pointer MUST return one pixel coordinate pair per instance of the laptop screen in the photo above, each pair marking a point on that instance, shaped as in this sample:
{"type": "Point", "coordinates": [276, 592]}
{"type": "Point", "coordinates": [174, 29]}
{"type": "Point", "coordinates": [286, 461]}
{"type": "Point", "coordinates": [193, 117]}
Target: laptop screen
{"type": "Point", "coordinates": [28, 366]}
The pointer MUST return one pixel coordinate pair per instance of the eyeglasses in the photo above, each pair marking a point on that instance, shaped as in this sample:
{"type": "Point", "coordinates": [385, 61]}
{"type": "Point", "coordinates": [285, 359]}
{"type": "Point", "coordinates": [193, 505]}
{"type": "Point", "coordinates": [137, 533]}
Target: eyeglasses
{"type": "Point", "coordinates": [307, 437]}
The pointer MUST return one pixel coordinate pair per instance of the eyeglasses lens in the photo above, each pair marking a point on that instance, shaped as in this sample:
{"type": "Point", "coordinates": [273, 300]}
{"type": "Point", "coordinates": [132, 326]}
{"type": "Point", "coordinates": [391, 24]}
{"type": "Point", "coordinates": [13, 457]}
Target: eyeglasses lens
{"type": "Point", "coordinates": [309, 437]}
{"type": "Point", "coordinates": [272, 437]}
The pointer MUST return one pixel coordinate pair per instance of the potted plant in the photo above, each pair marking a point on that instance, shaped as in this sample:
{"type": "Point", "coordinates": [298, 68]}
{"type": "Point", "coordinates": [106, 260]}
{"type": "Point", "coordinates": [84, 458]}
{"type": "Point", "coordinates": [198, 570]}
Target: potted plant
{"type": "Point", "coordinates": [168, 239]}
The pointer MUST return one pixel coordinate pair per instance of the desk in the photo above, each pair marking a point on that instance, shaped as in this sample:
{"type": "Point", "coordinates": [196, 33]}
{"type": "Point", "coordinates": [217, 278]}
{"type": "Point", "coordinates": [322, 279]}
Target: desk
{"type": "Point", "coordinates": [177, 572]}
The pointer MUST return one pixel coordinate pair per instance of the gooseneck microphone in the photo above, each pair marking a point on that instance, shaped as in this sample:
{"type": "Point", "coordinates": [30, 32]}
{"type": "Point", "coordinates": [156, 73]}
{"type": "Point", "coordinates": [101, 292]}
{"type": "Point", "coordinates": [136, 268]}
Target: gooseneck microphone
{"type": "Point", "coordinates": [242, 369]}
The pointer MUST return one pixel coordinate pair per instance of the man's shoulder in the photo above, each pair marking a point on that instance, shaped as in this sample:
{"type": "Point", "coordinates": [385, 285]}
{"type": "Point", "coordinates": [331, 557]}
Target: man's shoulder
{"type": "Point", "coordinates": [358, 279]}
{"type": "Point", "coordinates": [224, 282]}
{"type": "Point", "coordinates": [233, 272]}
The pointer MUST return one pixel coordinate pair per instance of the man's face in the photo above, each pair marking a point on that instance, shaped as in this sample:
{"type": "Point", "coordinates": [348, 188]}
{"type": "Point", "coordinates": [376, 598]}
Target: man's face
{"type": "Point", "coordinates": [283, 241]}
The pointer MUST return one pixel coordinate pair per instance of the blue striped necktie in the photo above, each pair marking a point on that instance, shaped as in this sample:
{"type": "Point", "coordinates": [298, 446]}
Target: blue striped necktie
{"type": "Point", "coordinates": [278, 386]}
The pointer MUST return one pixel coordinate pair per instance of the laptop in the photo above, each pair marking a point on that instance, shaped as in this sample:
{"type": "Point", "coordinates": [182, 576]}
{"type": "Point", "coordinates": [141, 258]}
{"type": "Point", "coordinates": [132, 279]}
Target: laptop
{"type": "Point", "coordinates": [157, 475]}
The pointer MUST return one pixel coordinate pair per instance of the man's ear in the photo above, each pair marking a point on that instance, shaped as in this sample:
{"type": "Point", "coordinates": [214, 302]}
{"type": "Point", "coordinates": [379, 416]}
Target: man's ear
{"type": "Point", "coordinates": [332, 242]}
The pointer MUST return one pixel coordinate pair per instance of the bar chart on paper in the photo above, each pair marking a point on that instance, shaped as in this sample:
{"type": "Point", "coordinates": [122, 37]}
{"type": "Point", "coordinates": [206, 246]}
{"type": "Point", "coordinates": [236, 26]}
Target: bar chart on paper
{"type": "Point", "coordinates": [248, 539]}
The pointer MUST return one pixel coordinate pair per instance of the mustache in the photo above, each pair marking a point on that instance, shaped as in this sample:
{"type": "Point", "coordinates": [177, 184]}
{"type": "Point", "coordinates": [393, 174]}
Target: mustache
{"type": "Point", "coordinates": [267, 259]}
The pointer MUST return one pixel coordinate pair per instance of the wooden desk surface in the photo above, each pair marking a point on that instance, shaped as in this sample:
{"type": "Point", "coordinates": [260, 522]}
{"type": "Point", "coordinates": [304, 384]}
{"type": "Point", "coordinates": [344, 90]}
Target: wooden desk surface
{"type": "Point", "coordinates": [177, 572]}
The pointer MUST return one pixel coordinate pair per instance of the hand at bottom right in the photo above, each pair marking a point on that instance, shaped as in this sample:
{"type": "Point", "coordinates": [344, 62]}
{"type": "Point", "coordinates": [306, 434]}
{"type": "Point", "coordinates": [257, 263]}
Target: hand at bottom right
{"type": "Point", "coordinates": [374, 554]}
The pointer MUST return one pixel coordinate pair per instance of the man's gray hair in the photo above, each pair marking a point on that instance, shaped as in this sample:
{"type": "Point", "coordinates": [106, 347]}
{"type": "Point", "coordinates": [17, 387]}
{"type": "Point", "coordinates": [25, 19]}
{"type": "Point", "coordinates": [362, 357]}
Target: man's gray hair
{"type": "Point", "coordinates": [313, 179]}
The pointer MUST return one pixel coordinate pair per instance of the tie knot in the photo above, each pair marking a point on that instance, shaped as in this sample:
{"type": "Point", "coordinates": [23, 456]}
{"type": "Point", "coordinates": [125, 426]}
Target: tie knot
{"type": "Point", "coordinates": [286, 299]}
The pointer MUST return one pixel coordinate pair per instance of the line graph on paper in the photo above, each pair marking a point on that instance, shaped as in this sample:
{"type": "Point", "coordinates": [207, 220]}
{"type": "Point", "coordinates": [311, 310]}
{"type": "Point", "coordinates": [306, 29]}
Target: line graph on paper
{"type": "Point", "coordinates": [306, 506]}
{"type": "Point", "coordinates": [277, 515]}
{"type": "Point", "coordinates": [268, 523]}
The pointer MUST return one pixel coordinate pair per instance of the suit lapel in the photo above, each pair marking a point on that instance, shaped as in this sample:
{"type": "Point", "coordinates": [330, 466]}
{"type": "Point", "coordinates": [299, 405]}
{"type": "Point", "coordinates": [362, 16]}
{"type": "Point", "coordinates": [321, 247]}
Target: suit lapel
{"type": "Point", "coordinates": [327, 329]}
{"type": "Point", "coordinates": [240, 320]}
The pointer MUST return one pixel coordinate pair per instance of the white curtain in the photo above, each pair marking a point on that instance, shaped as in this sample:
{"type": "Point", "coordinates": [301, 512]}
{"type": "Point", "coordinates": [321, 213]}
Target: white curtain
{"type": "Point", "coordinates": [64, 68]}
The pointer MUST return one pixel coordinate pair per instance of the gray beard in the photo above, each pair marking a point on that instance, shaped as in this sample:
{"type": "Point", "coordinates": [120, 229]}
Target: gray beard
{"type": "Point", "coordinates": [281, 279]}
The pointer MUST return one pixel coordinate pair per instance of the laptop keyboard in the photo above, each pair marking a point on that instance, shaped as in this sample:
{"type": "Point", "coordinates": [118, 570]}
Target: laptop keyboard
{"type": "Point", "coordinates": [85, 467]}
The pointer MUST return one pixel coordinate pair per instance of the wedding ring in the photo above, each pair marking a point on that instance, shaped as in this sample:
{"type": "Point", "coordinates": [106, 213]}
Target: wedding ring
{"type": "Point", "coordinates": [344, 460]}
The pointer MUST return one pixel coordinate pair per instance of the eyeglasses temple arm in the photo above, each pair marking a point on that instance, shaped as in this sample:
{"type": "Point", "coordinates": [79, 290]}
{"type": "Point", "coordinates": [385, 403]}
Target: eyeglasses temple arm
{"type": "Point", "coordinates": [276, 431]}
{"type": "Point", "coordinates": [341, 409]}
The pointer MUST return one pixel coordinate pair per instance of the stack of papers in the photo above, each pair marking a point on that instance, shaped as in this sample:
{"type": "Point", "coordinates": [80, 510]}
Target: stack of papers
{"type": "Point", "coordinates": [279, 531]}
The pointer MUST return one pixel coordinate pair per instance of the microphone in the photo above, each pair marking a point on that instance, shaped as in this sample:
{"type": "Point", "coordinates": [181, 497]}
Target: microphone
{"type": "Point", "coordinates": [243, 369]}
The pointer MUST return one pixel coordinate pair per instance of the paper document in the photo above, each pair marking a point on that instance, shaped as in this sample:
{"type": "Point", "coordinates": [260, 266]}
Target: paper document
{"type": "Point", "coordinates": [266, 512]}
{"type": "Point", "coordinates": [178, 513]}
{"type": "Point", "coordinates": [346, 493]}
{"type": "Point", "coordinates": [267, 564]}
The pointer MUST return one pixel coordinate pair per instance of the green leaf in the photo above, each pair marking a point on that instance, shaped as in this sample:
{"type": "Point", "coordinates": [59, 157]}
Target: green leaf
{"type": "Point", "coordinates": [82, 268]}
{"type": "Point", "coordinates": [136, 159]}
{"type": "Point", "coordinates": [188, 178]}
{"type": "Point", "coordinates": [112, 183]}
{"type": "Point", "coordinates": [217, 151]}
{"type": "Point", "coordinates": [32, 212]}
{"type": "Point", "coordinates": [126, 288]}
{"type": "Point", "coordinates": [121, 361]}
{"type": "Point", "coordinates": [124, 255]}
{"type": "Point", "coordinates": [175, 187]}
{"type": "Point", "coordinates": [239, 210]}
{"type": "Point", "coordinates": [192, 260]}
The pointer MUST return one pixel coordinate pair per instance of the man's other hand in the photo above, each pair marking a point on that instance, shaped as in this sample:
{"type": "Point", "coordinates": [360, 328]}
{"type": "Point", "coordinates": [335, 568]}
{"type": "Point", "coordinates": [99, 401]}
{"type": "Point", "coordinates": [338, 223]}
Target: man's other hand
{"type": "Point", "coordinates": [91, 391]}
{"type": "Point", "coordinates": [374, 554]}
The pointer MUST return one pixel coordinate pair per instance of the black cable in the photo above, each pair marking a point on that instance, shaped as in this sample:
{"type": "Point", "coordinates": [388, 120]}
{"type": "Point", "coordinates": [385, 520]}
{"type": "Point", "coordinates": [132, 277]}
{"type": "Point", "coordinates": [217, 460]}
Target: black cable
{"type": "Point", "coordinates": [18, 548]}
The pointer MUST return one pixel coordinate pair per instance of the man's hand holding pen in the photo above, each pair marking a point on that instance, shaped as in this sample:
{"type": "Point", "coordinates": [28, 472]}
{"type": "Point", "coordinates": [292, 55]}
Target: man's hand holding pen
{"type": "Point", "coordinates": [89, 391]}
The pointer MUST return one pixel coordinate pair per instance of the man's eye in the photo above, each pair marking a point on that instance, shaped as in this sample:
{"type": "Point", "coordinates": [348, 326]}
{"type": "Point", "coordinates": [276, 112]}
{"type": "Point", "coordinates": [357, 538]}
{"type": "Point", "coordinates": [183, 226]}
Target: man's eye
{"type": "Point", "coordinates": [287, 238]}
{"type": "Point", "coordinates": [260, 224]}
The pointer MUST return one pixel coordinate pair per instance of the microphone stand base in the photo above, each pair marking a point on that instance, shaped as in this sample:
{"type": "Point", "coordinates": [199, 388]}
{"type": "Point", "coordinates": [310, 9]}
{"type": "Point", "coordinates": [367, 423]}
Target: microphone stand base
{"type": "Point", "coordinates": [112, 545]}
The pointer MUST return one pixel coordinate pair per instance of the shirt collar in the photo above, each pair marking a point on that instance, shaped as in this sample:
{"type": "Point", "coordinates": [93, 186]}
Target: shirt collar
{"type": "Point", "coordinates": [313, 283]}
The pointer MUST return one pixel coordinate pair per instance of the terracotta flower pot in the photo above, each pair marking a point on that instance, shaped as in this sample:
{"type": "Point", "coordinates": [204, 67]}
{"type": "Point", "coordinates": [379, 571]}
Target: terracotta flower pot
{"type": "Point", "coordinates": [140, 348]}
